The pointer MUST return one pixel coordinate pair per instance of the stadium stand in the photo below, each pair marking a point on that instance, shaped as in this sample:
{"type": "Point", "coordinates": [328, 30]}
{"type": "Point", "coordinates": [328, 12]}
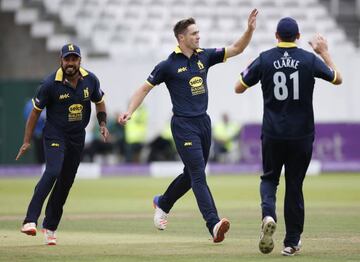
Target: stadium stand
{"type": "Point", "coordinates": [114, 27]}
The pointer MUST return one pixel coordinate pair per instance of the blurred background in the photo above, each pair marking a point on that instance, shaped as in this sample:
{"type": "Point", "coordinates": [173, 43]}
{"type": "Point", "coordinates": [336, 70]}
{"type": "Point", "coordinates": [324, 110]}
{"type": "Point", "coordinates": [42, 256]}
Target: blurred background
{"type": "Point", "coordinates": [122, 40]}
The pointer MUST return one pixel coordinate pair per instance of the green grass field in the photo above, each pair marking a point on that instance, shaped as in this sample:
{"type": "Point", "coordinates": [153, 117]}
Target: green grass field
{"type": "Point", "coordinates": [111, 220]}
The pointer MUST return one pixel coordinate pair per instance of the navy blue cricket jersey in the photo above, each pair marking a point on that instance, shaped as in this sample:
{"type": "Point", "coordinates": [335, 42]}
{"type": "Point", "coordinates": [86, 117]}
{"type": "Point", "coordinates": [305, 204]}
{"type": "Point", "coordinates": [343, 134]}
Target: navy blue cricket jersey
{"type": "Point", "coordinates": [287, 75]}
{"type": "Point", "coordinates": [185, 79]}
{"type": "Point", "coordinates": [67, 109]}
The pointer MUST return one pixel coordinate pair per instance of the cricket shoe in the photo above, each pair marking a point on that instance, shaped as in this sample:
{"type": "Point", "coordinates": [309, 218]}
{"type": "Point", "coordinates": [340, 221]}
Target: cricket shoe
{"type": "Point", "coordinates": [29, 229]}
{"type": "Point", "coordinates": [291, 251]}
{"type": "Point", "coordinates": [220, 229]}
{"type": "Point", "coordinates": [268, 227]}
{"type": "Point", "coordinates": [50, 237]}
{"type": "Point", "coordinates": [160, 217]}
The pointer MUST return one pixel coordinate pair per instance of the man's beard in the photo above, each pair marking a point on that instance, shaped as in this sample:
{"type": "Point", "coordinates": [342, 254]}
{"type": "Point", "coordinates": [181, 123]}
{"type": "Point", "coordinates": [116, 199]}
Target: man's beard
{"type": "Point", "coordinates": [70, 71]}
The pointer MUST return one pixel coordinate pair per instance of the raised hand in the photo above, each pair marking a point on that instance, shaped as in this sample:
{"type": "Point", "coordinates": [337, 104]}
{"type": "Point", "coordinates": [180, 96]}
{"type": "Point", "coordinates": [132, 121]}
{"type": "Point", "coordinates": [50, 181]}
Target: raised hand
{"type": "Point", "coordinates": [252, 19]}
{"type": "Point", "coordinates": [319, 44]}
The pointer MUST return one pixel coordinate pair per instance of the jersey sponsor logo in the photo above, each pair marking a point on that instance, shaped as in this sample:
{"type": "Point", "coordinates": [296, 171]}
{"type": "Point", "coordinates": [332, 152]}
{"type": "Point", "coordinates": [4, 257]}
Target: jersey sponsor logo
{"type": "Point", "coordinates": [55, 144]}
{"type": "Point", "coordinates": [64, 96]}
{"type": "Point", "coordinates": [86, 92]}
{"type": "Point", "coordinates": [188, 143]}
{"type": "Point", "coordinates": [75, 112]}
{"type": "Point", "coordinates": [196, 81]}
{"type": "Point", "coordinates": [182, 69]}
{"type": "Point", "coordinates": [197, 86]}
{"type": "Point", "coordinates": [75, 108]}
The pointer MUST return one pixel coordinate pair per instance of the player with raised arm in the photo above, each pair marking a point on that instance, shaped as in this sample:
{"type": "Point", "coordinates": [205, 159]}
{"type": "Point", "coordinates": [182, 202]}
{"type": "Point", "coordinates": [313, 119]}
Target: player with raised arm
{"type": "Point", "coordinates": [185, 72]}
{"type": "Point", "coordinates": [287, 74]}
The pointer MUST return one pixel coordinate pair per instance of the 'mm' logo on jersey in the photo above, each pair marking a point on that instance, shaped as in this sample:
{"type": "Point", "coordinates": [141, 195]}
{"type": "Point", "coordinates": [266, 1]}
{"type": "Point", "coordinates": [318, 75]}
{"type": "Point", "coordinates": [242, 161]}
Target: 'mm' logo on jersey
{"type": "Point", "coordinates": [64, 96]}
{"type": "Point", "coordinates": [182, 69]}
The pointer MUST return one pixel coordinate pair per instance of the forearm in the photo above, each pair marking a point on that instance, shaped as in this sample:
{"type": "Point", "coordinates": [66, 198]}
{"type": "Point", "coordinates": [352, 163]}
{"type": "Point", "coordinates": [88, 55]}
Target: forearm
{"type": "Point", "coordinates": [30, 125]}
{"type": "Point", "coordinates": [138, 98]}
{"type": "Point", "coordinates": [101, 113]}
{"type": "Point", "coordinates": [240, 45]}
{"type": "Point", "coordinates": [329, 62]}
{"type": "Point", "coordinates": [327, 59]}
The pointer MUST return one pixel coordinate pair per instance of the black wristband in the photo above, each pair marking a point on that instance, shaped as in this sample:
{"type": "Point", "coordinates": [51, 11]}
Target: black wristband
{"type": "Point", "coordinates": [101, 117]}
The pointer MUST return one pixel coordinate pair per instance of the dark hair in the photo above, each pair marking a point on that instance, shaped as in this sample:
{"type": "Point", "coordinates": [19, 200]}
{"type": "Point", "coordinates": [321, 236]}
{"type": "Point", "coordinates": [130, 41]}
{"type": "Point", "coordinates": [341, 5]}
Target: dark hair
{"type": "Point", "coordinates": [288, 39]}
{"type": "Point", "coordinates": [181, 26]}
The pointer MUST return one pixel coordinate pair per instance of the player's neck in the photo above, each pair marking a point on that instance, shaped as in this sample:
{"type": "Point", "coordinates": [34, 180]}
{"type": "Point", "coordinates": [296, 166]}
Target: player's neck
{"type": "Point", "coordinates": [186, 50]}
{"type": "Point", "coordinates": [72, 80]}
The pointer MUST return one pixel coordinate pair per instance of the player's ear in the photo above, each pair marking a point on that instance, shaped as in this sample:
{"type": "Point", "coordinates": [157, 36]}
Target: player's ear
{"type": "Point", "coordinates": [297, 36]}
{"type": "Point", "coordinates": [181, 37]}
{"type": "Point", "coordinates": [277, 36]}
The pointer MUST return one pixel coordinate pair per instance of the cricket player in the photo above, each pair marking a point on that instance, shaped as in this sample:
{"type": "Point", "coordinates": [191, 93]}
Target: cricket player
{"type": "Point", "coordinates": [287, 75]}
{"type": "Point", "coordinates": [185, 72]}
{"type": "Point", "coordinates": [67, 95]}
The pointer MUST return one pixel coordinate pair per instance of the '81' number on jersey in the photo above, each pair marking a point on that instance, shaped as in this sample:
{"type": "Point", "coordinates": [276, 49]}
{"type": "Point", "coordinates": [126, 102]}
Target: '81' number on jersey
{"type": "Point", "coordinates": [281, 90]}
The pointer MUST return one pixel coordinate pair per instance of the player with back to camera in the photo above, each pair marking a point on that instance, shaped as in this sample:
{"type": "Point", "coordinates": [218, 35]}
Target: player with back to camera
{"type": "Point", "coordinates": [67, 95]}
{"type": "Point", "coordinates": [287, 74]}
{"type": "Point", "coordinates": [185, 72]}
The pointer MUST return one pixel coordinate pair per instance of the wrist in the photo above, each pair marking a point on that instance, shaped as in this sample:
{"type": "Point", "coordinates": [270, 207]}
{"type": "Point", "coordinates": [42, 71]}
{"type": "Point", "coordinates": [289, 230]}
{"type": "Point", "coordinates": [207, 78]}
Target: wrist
{"type": "Point", "coordinates": [101, 117]}
{"type": "Point", "coordinates": [249, 30]}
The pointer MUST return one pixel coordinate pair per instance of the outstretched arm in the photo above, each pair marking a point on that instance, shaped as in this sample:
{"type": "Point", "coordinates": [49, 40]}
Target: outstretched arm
{"type": "Point", "coordinates": [135, 102]}
{"type": "Point", "coordinates": [29, 129]}
{"type": "Point", "coordinates": [320, 46]}
{"type": "Point", "coordinates": [238, 46]}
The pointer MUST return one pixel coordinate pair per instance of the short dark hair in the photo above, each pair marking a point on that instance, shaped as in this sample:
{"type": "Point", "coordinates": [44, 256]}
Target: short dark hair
{"type": "Point", "coordinates": [288, 39]}
{"type": "Point", "coordinates": [181, 26]}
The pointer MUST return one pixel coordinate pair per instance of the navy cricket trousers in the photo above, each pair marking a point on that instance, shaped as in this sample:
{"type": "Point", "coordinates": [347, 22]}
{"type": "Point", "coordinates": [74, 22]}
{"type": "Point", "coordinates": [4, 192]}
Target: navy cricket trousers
{"type": "Point", "coordinates": [62, 161]}
{"type": "Point", "coordinates": [295, 156]}
{"type": "Point", "coordinates": [192, 137]}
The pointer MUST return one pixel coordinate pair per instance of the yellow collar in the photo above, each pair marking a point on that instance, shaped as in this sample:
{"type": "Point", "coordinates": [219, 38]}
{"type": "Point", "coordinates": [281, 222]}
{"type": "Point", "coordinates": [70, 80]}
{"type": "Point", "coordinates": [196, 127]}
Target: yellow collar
{"type": "Point", "coordinates": [286, 44]}
{"type": "Point", "coordinates": [177, 50]}
{"type": "Point", "coordinates": [59, 74]}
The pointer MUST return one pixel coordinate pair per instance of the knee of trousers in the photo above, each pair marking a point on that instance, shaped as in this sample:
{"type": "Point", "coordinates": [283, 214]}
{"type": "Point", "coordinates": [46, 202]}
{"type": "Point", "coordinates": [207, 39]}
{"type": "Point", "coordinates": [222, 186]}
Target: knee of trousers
{"type": "Point", "coordinates": [270, 177]}
{"type": "Point", "coordinates": [198, 177]}
{"type": "Point", "coordinates": [52, 171]}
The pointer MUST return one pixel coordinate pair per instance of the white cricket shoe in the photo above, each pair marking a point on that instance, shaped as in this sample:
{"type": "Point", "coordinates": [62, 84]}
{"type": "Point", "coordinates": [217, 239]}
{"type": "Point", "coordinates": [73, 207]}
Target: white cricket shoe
{"type": "Point", "coordinates": [29, 229]}
{"type": "Point", "coordinates": [50, 237]}
{"type": "Point", "coordinates": [268, 227]}
{"type": "Point", "coordinates": [220, 229]}
{"type": "Point", "coordinates": [160, 217]}
{"type": "Point", "coordinates": [291, 251]}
